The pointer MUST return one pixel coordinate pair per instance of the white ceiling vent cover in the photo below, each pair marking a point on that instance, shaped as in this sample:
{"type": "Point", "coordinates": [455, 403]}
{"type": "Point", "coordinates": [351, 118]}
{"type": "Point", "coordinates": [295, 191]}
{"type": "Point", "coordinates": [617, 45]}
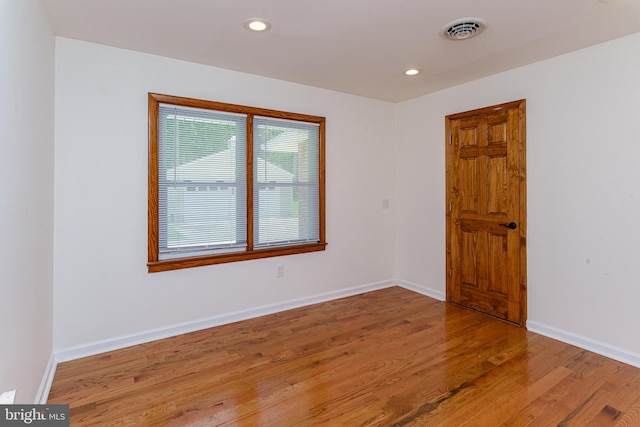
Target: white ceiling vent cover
{"type": "Point", "coordinates": [463, 28]}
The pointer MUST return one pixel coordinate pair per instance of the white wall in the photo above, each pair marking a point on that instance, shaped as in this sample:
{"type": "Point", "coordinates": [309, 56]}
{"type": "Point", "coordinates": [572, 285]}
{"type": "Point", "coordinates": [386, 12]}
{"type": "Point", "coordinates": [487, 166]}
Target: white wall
{"type": "Point", "coordinates": [26, 192]}
{"type": "Point", "coordinates": [583, 202]}
{"type": "Point", "coordinates": [583, 188]}
{"type": "Point", "coordinates": [102, 288]}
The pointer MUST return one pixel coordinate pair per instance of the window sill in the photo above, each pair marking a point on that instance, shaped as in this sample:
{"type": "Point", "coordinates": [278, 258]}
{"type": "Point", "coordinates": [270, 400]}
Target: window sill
{"type": "Point", "coordinates": [179, 263]}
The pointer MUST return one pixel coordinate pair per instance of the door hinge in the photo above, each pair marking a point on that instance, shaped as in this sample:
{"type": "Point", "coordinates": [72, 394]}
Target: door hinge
{"type": "Point", "coordinates": [449, 206]}
{"type": "Point", "coordinates": [450, 271]}
{"type": "Point", "coordinates": [449, 139]}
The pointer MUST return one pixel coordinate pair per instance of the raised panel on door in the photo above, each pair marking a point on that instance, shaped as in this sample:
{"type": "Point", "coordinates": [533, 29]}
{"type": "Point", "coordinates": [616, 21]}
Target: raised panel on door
{"type": "Point", "coordinates": [468, 177]}
{"type": "Point", "coordinates": [497, 192]}
{"type": "Point", "coordinates": [469, 250]}
{"type": "Point", "coordinates": [497, 265]}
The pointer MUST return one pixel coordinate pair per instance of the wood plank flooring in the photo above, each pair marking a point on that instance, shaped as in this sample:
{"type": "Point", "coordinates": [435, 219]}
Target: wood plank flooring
{"type": "Point", "coordinates": [386, 358]}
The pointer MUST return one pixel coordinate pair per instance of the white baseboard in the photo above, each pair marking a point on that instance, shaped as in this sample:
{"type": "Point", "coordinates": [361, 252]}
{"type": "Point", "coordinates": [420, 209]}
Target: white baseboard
{"type": "Point", "coordinates": [97, 347]}
{"type": "Point", "coordinates": [440, 296]}
{"type": "Point", "coordinates": [603, 349]}
{"type": "Point", "coordinates": [589, 344]}
{"type": "Point", "coordinates": [47, 380]}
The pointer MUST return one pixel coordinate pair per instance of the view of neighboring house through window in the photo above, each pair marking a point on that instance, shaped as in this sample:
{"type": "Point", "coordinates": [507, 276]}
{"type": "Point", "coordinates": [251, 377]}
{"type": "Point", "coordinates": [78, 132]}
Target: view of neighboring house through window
{"type": "Point", "coordinates": [229, 183]}
{"type": "Point", "coordinates": [202, 187]}
{"type": "Point", "coordinates": [286, 184]}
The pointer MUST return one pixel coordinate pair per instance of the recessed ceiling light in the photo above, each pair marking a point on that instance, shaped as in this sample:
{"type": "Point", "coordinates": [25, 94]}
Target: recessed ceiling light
{"type": "Point", "coordinates": [463, 28]}
{"type": "Point", "coordinates": [257, 24]}
{"type": "Point", "coordinates": [412, 72]}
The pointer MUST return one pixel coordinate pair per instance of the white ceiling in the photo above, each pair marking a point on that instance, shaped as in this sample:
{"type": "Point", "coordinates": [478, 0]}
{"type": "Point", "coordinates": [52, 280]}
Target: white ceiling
{"type": "Point", "coordinates": [360, 47]}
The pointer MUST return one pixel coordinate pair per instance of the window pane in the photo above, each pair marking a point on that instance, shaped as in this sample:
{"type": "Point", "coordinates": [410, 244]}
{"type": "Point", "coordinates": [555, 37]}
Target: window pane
{"type": "Point", "coordinates": [202, 181]}
{"type": "Point", "coordinates": [286, 187]}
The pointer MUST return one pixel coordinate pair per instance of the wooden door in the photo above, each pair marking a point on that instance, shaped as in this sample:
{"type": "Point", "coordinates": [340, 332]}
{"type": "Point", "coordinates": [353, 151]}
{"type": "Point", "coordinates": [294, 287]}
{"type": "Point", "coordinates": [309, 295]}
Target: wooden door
{"type": "Point", "coordinates": [486, 210]}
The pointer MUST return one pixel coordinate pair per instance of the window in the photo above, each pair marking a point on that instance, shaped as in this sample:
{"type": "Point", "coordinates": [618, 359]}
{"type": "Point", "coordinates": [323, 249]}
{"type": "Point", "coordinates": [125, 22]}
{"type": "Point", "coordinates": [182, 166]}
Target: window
{"type": "Point", "coordinates": [230, 183]}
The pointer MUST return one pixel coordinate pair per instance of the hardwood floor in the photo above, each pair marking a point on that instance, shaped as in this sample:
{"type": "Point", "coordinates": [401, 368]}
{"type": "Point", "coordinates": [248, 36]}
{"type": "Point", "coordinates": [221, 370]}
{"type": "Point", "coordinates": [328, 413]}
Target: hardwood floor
{"type": "Point", "coordinates": [385, 358]}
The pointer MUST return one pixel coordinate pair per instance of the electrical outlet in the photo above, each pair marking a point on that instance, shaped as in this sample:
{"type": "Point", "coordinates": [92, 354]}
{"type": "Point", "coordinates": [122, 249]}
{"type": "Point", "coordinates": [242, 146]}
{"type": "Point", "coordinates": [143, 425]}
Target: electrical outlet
{"type": "Point", "coordinates": [280, 271]}
{"type": "Point", "coordinates": [7, 397]}
{"type": "Point", "coordinates": [385, 203]}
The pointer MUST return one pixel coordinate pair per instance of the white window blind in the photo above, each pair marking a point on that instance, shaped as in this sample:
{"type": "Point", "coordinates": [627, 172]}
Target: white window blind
{"type": "Point", "coordinates": [202, 181]}
{"type": "Point", "coordinates": [286, 182]}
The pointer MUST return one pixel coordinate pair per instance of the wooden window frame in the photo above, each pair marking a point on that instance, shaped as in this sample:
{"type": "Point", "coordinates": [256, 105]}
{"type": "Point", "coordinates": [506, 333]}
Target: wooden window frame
{"type": "Point", "coordinates": [154, 264]}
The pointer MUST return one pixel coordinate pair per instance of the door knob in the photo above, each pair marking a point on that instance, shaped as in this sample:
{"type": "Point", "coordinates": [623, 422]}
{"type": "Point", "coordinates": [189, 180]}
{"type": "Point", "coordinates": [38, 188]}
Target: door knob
{"type": "Point", "coordinates": [511, 225]}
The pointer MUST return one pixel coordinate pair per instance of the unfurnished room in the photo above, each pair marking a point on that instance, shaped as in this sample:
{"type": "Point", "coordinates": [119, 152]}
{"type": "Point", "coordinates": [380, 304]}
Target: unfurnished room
{"type": "Point", "coordinates": [294, 213]}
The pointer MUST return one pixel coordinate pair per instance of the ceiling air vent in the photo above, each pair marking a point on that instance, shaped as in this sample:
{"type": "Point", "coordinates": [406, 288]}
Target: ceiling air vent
{"type": "Point", "coordinates": [464, 28]}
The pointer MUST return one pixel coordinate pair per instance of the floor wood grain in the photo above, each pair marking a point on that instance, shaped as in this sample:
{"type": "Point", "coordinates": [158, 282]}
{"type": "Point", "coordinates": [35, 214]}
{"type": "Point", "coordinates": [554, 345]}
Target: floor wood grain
{"type": "Point", "coordinates": [386, 358]}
